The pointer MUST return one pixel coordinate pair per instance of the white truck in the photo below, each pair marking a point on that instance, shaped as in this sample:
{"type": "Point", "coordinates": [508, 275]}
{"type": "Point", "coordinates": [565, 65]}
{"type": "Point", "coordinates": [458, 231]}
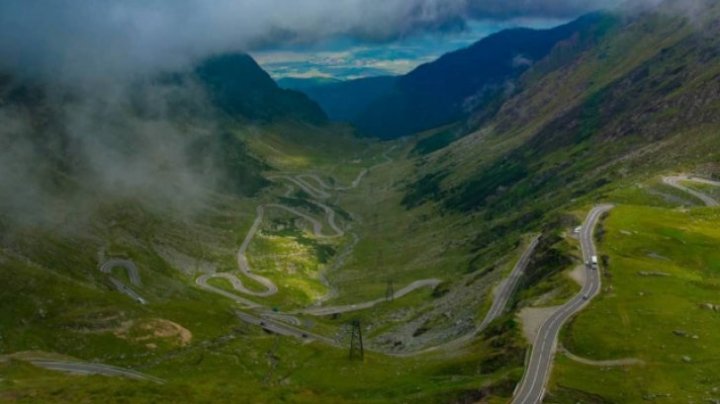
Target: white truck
{"type": "Point", "coordinates": [592, 263]}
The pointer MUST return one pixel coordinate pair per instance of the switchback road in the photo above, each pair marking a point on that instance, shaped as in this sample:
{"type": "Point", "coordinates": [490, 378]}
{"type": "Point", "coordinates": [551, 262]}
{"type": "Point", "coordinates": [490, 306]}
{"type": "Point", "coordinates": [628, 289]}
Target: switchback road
{"type": "Point", "coordinates": [133, 275]}
{"type": "Point", "coordinates": [675, 182]}
{"type": "Point", "coordinates": [532, 386]}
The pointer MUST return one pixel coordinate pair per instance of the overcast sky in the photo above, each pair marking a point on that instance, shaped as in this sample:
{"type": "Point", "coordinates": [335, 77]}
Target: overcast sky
{"type": "Point", "coordinates": [95, 38]}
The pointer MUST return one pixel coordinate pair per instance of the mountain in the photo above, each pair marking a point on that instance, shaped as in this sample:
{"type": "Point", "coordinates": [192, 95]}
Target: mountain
{"type": "Point", "coordinates": [447, 89]}
{"type": "Point", "coordinates": [344, 101]}
{"type": "Point", "coordinates": [638, 99]}
{"type": "Point", "coordinates": [301, 84]}
{"type": "Point", "coordinates": [239, 86]}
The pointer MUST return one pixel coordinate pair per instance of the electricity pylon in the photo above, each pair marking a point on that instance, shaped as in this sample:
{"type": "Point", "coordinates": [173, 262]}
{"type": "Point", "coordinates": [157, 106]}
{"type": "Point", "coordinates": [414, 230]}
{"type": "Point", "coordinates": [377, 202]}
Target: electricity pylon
{"type": "Point", "coordinates": [357, 352]}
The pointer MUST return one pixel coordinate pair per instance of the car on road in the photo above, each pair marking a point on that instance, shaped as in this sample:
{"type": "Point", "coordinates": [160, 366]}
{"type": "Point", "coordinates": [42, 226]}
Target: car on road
{"type": "Point", "coordinates": [586, 297]}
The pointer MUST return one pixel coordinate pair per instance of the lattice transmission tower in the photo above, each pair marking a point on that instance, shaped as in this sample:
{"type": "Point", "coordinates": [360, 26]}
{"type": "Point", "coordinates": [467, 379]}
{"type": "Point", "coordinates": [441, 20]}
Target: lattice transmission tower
{"type": "Point", "coordinates": [357, 351]}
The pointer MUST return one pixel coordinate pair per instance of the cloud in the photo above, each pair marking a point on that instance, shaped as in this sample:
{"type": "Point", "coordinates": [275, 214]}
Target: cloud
{"type": "Point", "coordinates": [63, 154]}
{"type": "Point", "coordinates": [105, 38]}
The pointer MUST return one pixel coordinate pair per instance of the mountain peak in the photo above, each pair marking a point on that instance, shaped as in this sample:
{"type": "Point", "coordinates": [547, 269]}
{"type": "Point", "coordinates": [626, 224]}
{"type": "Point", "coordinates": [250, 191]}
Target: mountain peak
{"type": "Point", "coordinates": [239, 86]}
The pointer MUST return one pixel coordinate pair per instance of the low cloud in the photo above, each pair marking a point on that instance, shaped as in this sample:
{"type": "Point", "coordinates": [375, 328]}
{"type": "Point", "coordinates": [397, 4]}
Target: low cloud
{"type": "Point", "coordinates": [65, 152]}
{"type": "Point", "coordinates": [73, 39]}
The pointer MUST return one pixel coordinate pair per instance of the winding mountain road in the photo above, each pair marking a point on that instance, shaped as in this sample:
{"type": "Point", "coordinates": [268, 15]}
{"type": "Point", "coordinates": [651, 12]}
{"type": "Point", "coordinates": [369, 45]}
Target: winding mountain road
{"type": "Point", "coordinates": [133, 275]}
{"type": "Point", "coordinates": [317, 191]}
{"type": "Point", "coordinates": [244, 266]}
{"type": "Point", "coordinates": [502, 296]}
{"type": "Point", "coordinates": [532, 386]}
{"type": "Point", "coordinates": [507, 287]}
{"type": "Point", "coordinates": [675, 182]}
{"type": "Point", "coordinates": [329, 310]}
{"type": "Point", "coordinates": [280, 328]}
{"type": "Point", "coordinates": [87, 368]}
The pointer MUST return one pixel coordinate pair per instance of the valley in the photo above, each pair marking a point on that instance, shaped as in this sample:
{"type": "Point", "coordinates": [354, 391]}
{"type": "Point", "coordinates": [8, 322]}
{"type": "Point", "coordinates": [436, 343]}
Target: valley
{"type": "Point", "coordinates": [529, 219]}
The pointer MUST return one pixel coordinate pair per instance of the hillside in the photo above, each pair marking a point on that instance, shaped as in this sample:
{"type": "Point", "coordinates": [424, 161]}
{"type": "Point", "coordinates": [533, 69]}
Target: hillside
{"type": "Point", "coordinates": [345, 101]}
{"type": "Point", "coordinates": [448, 89]}
{"type": "Point", "coordinates": [212, 236]}
{"type": "Point", "coordinates": [301, 84]}
{"type": "Point", "coordinates": [237, 85]}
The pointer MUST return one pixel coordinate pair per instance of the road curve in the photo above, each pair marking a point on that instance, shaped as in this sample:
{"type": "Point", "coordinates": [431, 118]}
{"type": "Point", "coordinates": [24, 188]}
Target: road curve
{"type": "Point", "coordinates": [244, 266]}
{"type": "Point", "coordinates": [325, 311]}
{"type": "Point", "coordinates": [674, 181]}
{"type": "Point", "coordinates": [499, 304]}
{"type": "Point", "coordinates": [133, 275]}
{"type": "Point", "coordinates": [320, 191]}
{"type": "Point", "coordinates": [202, 281]}
{"type": "Point", "coordinates": [127, 265]}
{"type": "Point", "coordinates": [532, 386]}
{"type": "Point", "coordinates": [312, 190]}
{"type": "Point", "coordinates": [86, 368]}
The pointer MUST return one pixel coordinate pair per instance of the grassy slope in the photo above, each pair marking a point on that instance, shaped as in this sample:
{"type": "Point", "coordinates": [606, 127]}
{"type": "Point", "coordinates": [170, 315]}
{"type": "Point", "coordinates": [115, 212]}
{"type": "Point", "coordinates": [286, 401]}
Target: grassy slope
{"type": "Point", "coordinates": [56, 300]}
{"type": "Point", "coordinates": [466, 233]}
{"type": "Point", "coordinates": [641, 316]}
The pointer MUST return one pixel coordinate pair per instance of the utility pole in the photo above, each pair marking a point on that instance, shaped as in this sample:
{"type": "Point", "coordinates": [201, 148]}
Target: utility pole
{"type": "Point", "coordinates": [357, 352]}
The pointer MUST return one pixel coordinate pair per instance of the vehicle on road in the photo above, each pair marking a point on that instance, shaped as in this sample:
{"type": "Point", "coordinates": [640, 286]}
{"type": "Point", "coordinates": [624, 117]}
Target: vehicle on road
{"type": "Point", "coordinates": [594, 262]}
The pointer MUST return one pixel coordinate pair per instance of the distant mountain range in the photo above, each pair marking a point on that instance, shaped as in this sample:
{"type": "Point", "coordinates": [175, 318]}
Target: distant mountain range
{"type": "Point", "coordinates": [345, 100]}
{"type": "Point", "coordinates": [446, 90]}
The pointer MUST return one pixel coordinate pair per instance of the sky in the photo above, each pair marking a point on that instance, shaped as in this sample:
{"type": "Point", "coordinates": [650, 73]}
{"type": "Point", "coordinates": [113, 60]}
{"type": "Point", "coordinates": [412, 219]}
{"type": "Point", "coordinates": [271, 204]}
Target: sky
{"type": "Point", "coordinates": [345, 58]}
{"type": "Point", "coordinates": [75, 40]}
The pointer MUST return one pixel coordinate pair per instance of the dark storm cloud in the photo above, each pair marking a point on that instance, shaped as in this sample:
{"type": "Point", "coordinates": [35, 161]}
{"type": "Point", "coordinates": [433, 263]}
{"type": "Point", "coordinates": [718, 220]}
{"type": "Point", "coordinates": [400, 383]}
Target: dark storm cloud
{"type": "Point", "coordinates": [75, 38]}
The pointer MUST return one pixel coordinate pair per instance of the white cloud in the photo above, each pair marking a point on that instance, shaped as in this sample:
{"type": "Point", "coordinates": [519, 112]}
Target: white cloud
{"type": "Point", "coordinates": [98, 38]}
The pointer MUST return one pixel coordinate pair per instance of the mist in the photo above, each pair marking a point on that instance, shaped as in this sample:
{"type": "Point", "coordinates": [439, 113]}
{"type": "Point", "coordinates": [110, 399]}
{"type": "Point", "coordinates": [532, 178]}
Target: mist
{"type": "Point", "coordinates": [67, 151]}
{"type": "Point", "coordinates": [105, 127]}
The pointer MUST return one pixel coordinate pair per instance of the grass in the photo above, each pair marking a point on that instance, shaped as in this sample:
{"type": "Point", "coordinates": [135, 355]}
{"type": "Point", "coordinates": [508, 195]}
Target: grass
{"type": "Point", "coordinates": [658, 319]}
{"type": "Point", "coordinates": [67, 305]}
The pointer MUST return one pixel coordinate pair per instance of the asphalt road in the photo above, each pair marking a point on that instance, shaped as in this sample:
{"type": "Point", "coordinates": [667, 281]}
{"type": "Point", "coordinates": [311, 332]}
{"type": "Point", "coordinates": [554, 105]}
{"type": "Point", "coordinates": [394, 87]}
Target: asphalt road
{"type": "Point", "coordinates": [674, 181]}
{"type": "Point", "coordinates": [505, 291]}
{"type": "Point", "coordinates": [86, 368]}
{"type": "Point", "coordinates": [127, 265]}
{"type": "Point", "coordinates": [244, 266]}
{"type": "Point", "coordinates": [325, 311]}
{"type": "Point", "coordinates": [502, 296]}
{"type": "Point", "coordinates": [133, 275]}
{"type": "Point", "coordinates": [507, 288]}
{"type": "Point", "coordinates": [318, 191]}
{"type": "Point", "coordinates": [280, 328]}
{"type": "Point", "coordinates": [532, 387]}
